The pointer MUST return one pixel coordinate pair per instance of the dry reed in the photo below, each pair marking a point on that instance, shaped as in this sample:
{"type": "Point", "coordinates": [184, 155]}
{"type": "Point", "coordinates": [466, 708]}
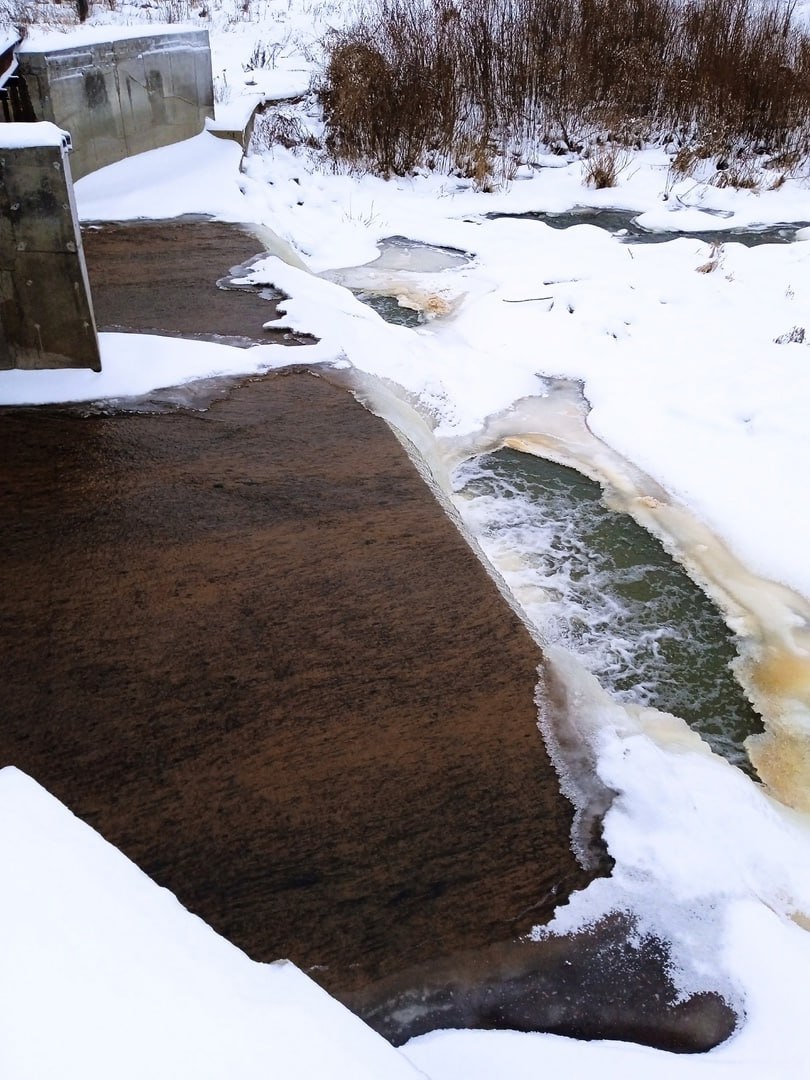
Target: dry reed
{"type": "Point", "coordinates": [416, 82]}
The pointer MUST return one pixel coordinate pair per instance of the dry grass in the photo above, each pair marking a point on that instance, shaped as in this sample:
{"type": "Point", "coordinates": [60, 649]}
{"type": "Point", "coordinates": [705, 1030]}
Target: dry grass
{"type": "Point", "coordinates": [415, 81]}
{"type": "Point", "coordinates": [603, 165]}
{"type": "Point", "coordinates": [264, 55]}
{"type": "Point", "coordinates": [742, 173]}
{"type": "Point", "coordinates": [278, 128]}
{"type": "Point", "coordinates": [714, 261]}
{"type": "Point", "coordinates": [795, 336]}
{"type": "Point", "coordinates": [22, 14]}
{"type": "Point", "coordinates": [62, 14]}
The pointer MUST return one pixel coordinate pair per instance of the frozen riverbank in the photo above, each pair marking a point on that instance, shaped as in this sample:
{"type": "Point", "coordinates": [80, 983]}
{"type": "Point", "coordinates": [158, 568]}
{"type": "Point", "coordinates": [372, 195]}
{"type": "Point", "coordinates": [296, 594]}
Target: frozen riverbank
{"type": "Point", "coordinates": [692, 362]}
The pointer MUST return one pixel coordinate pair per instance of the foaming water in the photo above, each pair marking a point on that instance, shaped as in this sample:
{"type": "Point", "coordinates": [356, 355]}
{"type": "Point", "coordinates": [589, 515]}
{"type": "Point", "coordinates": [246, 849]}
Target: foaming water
{"type": "Point", "coordinates": [770, 623]}
{"type": "Point", "coordinates": [597, 584]}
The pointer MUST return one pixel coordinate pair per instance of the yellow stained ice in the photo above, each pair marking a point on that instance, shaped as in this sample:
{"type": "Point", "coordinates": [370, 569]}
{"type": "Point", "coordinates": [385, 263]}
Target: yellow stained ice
{"type": "Point", "coordinates": [771, 622]}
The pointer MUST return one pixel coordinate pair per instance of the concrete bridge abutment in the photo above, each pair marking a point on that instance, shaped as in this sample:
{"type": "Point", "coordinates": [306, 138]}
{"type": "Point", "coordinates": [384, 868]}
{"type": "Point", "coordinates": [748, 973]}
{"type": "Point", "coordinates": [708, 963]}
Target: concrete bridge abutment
{"type": "Point", "coordinates": [110, 99]}
{"type": "Point", "coordinates": [46, 314]}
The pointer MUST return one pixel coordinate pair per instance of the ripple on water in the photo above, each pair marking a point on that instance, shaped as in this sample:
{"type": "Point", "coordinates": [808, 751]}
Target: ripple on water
{"type": "Point", "coordinates": [593, 580]}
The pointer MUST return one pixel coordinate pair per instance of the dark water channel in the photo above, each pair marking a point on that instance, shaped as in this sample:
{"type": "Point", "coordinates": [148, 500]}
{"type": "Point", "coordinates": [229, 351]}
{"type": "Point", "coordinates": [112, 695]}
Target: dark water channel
{"type": "Point", "coordinates": [249, 647]}
{"type": "Point", "coordinates": [624, 226]}
{"type": "Point", "coordinates": [612, 595]}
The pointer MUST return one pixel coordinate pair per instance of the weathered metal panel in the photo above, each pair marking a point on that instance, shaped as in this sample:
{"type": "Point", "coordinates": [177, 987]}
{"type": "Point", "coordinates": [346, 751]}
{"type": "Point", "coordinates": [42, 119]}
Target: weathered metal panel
{"type": "Point", "coordinates": [123, 97]}
{"type": "Point", "coordinates": [46, 314]}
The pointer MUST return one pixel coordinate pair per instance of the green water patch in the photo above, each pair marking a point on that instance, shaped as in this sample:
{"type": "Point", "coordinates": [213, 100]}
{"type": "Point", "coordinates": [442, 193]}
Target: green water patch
{"type": "Point", "coordinates": [594, 581]}
{"type": "Point", "coordinates": [389, 308]}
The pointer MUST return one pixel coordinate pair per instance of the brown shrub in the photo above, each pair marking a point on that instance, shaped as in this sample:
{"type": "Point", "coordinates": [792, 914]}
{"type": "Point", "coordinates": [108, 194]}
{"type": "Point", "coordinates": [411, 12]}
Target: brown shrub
{"type": "Point", "coordinates": [419, 80]}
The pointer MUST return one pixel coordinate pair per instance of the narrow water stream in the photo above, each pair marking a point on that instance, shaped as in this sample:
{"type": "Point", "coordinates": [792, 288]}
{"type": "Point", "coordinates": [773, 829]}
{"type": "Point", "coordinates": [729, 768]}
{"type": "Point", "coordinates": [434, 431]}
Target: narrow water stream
{"type": "Point", "coordinates": [401, 284]}
{"type": "Point", "coordinates": [390, 309]}
{"type": "Point", "coordinates": [623, 224]}
{"type": "Point", "coordinates": [594, 581]}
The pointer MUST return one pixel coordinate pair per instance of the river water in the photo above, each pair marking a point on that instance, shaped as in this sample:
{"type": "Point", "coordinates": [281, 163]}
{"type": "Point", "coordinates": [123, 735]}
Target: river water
{"type": "Point", "coordinates": [682, 627]}
{"type": "Point", "coordinates": [624, 226]}
{"type": "Point", "coordinates": [595, 582]}
{"type": "Point", "coordinates": [343, 877]}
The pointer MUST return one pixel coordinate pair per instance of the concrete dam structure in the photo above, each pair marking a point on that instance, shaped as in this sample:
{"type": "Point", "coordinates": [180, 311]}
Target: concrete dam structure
{"type": "Point", "coordinates": [121, 97]}
{"type": "Point", "coordinates": [101, 100]}
{"type": "Point", "coordinates": [46, 315]}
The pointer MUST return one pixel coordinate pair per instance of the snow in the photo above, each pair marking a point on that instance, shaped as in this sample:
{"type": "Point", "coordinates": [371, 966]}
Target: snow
{"type": "Point", "coordinates": [681, 349]}
{"type": "Point", "coordinates": [700, 850]}
{"type": "Point", "coordinates": [8, 38]}
{"type": "Point", "coordinates": [137, 186]}
{"type": "Point", "coordinates": [26, 136]}
{"type": "Point", "coordinates": [105, 974]}
{"type": "Point", "coordinates": [55, 39]}
{"type": "Point", "coordinates": [134, 364]}
{"type": "Point", "coordinates": [235, 115]}
{"type": "Point", "coordinates": [278, 85]}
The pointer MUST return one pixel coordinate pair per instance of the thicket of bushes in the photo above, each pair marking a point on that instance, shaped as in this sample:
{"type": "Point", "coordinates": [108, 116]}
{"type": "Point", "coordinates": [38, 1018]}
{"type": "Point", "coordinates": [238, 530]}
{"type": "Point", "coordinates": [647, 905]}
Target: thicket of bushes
{"type": "Point", "coordinates": [438, 82]}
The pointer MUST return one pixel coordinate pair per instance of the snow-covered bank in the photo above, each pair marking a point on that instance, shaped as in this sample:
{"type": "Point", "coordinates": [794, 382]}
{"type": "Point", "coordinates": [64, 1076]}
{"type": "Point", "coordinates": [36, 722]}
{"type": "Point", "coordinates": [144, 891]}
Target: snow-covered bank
{"type": "Point", "coordinates": [700, 851]}
{"type": "Point", "coordinates": [692, 361]}
{"type": "Point", "coordinates": [105, 974]}
{"type": "Point", "coordinates": [134, 364]}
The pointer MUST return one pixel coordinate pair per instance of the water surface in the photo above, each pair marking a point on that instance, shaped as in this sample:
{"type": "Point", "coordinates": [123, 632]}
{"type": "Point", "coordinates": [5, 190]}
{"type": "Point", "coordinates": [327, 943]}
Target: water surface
{"type": "Point", "coordinates": [623, 224]}
{"type": "Point", "coordinates": [249, 647]}
{"type": "Point", "coordinates": [599, 584]}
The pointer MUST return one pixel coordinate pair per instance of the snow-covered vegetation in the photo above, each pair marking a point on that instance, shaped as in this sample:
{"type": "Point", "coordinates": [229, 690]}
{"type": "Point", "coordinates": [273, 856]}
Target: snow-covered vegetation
{"type": "Point", "coordinates": [416, 81]}
{"type": "Point", "coordinates": [481, 86]}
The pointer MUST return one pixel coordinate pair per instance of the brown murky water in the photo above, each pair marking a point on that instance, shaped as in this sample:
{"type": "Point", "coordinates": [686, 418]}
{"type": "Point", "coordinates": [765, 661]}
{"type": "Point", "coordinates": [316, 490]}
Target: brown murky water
{"type": "Point", "coordinates": [160, 277]}
{"type": "Point", "coordinates": [249, 648]}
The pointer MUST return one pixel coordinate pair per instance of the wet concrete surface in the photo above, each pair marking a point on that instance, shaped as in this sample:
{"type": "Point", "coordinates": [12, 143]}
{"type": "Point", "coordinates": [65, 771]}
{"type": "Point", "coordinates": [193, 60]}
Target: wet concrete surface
{"type": "Point", "coordinates": [249, 648]}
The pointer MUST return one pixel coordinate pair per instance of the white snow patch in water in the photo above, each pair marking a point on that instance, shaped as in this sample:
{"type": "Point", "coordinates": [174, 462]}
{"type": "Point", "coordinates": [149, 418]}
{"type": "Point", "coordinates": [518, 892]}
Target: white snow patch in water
{"type": "Point", "coordinates": [135, 364]}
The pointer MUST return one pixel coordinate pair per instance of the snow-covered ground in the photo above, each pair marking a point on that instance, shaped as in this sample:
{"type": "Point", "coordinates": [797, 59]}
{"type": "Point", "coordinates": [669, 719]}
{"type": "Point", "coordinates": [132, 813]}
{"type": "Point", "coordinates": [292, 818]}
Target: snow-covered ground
{"type": "Point", "coordinates": [691, 360]}
{"type": "Point", "coordinates": [106, 975]}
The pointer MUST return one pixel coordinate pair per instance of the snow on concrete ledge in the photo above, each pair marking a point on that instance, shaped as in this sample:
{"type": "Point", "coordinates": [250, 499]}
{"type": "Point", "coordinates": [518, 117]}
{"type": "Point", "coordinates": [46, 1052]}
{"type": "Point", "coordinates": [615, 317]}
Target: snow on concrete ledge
{"type": "Point", "coordinates": [105, 974]}
{"type": "Point", "coordinates": [52, 39]}
{"type": "Point", "coordinates": [8, 38]}
{"type": "Point", "coordinates": [24, 136]}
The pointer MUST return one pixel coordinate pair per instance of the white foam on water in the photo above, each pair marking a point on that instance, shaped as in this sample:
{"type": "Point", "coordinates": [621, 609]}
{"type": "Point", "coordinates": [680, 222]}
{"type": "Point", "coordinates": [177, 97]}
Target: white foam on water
{"type": "Point", "coordinates": [593, 582]}
{"type": "Point", "coordinates": [771, 622]}
{"type": "Point", "coordinates": [565, 586]}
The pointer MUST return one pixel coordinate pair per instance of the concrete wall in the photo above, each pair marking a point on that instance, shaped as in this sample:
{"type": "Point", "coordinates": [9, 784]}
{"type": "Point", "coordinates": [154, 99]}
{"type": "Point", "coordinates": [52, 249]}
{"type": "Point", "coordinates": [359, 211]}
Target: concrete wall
{"type": "Point", "coordinates": [118, 98]}
{"type": "Point", "coordinates": [46, 316]}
